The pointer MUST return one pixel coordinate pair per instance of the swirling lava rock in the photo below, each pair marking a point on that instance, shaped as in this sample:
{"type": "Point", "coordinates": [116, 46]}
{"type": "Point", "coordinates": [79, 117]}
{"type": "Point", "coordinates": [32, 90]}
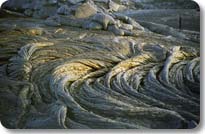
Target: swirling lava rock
{"type": "Point", "coordinates": [70, 77]}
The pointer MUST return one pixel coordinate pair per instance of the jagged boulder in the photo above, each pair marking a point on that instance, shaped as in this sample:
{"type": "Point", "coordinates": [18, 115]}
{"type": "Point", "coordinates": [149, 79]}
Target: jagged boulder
{"type": "Point", "coordinates": [85, 10]}
{"type": "Point", "coordinates": [103, 19]}
{"type": "Point", "coordinates": [64, 10]}
{"type": "Point", "coordinates": [113, 6]}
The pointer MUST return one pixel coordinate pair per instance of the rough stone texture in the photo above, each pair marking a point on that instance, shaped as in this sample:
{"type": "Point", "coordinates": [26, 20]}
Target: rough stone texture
{"type": "Point", "coordinates": [103, 19]}
{"type": "Point", "coordinates": [75, 1]}
{"type": "Point", "coordinates": [108, 70]}
{"type": "Point", "coordinates": [64, 10]}
{"type": "Point", "coordinates": [85, 10]}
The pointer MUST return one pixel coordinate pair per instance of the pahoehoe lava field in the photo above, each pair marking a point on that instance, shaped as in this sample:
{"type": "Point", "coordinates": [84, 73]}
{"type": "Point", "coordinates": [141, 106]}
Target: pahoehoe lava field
{"type": "Point", "coordinates": [101, 64]}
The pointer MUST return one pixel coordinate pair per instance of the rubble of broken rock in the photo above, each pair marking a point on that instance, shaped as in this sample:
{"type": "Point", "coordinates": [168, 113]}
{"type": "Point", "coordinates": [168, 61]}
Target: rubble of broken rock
{"type": "Point", "coordinates": [99, 64]}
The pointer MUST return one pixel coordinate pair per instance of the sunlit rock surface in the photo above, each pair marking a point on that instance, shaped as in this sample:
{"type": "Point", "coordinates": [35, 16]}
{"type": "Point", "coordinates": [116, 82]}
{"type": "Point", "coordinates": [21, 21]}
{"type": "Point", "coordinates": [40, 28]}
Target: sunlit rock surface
{"type": "Point", "coordinates": [99, 64]}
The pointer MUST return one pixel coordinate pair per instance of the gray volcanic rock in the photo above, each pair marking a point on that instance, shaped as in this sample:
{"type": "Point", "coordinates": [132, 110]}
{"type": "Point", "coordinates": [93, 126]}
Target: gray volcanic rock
{"type": "Point", "coordinates": [104, 19]}
{"type": "Point", "coordinates": [92, 25]}
{"type": "Point", "coordinates": [78, 12]}
{"type": "Point", "coordinates": [85, 10]}
{"type": "Point", "coordinates": [16, 5]}
{"type": "Point", "coordinates": [113, 6]}
{"type": "Point", "coordinates": [88, 64]}
{"type": "Point", "coordinates": [116, 30]}
{"type": "Point", "coordinates": [64, 10]}
{"type": "Point", "coordinates": [45, 12]}
{"type": "Point", "coordinates": [53, 21]}
{"type": "Point", "coordinates": [75, 1]}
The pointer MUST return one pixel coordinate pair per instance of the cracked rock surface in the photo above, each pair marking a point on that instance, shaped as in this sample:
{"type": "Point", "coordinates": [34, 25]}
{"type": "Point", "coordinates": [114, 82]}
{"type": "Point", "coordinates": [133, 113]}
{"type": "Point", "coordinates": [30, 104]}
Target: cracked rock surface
{"type": "Point", "coordinates": [94, 64]}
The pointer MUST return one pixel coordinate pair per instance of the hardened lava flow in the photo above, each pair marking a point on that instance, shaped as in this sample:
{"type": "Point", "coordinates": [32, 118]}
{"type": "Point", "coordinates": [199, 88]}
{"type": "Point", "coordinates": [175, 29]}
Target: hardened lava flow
{"type": "Point", "coordinates": [99, 70]}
